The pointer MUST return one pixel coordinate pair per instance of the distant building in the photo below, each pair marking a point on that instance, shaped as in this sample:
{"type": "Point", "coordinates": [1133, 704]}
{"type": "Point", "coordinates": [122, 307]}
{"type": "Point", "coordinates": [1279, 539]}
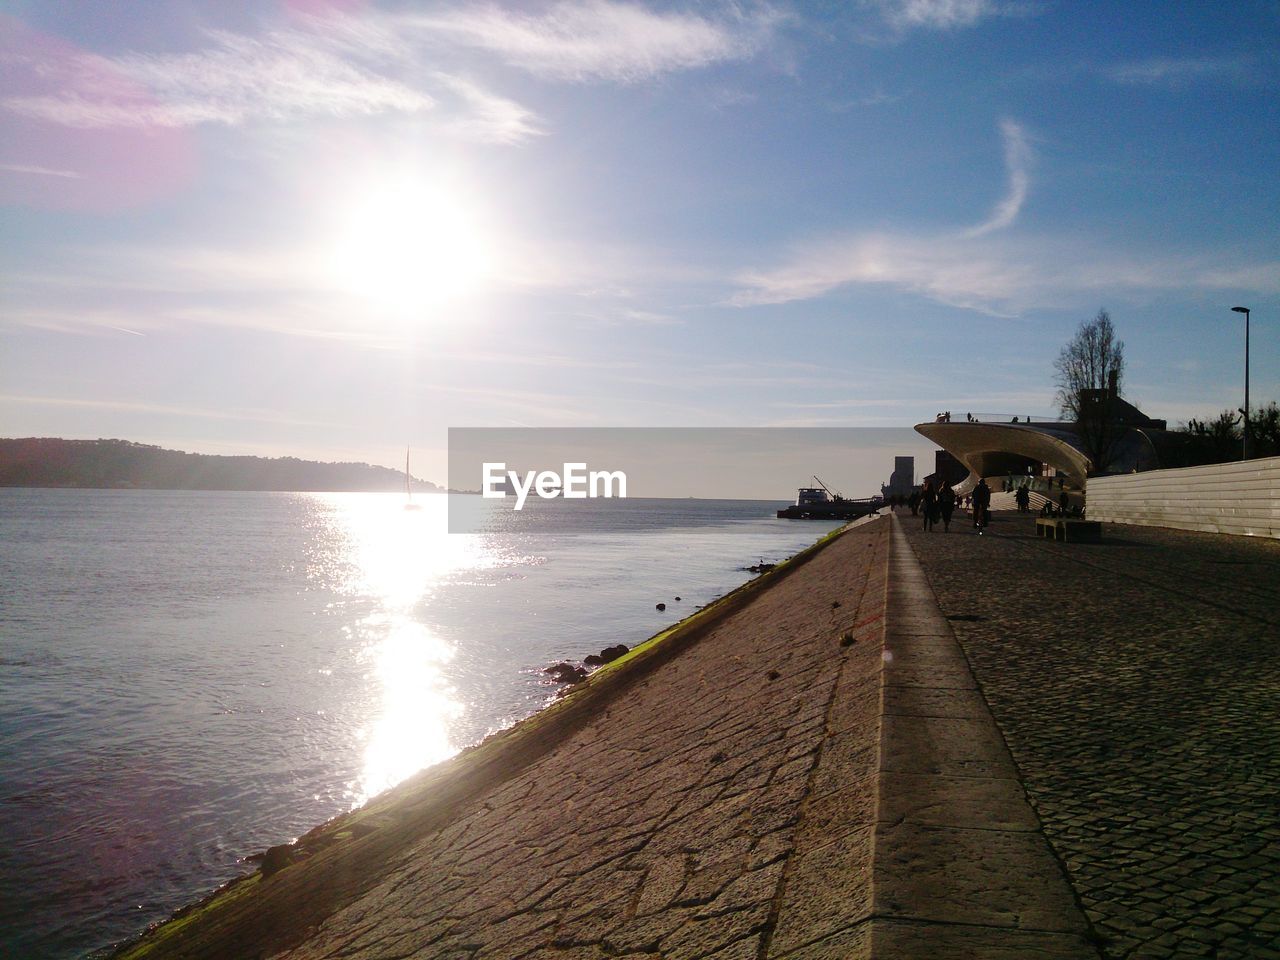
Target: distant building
{"type": "Point", "coordinates": [902, 480]}
{"type": "Point", "coordinates": [947, 469]}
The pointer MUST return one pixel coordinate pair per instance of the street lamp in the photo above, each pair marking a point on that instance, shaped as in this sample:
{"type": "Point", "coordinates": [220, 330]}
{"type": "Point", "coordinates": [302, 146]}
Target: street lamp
{"type": "Point", "coordinates": [1245, 310]}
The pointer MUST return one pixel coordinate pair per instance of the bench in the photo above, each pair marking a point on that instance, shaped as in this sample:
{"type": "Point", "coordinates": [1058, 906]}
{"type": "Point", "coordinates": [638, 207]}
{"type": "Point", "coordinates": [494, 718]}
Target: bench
{"type": "Point", "coordinates": [1061, 528]}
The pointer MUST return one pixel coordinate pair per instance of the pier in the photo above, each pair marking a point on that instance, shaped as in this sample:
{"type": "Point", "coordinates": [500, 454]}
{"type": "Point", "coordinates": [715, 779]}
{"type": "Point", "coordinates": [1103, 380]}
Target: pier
{"type": "Point", "coordinates": [899, 744]}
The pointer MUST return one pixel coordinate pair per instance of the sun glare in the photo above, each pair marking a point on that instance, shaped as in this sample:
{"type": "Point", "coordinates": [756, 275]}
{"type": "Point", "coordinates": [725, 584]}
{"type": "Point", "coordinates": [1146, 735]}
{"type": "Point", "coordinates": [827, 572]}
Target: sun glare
{"type": "Point", "coordinates": [409, 245]}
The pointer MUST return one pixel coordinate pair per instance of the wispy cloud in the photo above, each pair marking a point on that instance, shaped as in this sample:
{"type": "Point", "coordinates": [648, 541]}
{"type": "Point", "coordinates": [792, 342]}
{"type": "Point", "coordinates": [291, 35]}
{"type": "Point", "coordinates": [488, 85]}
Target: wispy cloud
{"type": "Point", "coordinates": [1017, 158]}
{"type": "Point", "coordinates": [372, 63]}
{"type": "Point", "coordinates": [584, 40]}
{"type": "Point", "coordinates": [937, 14]}
{"type": "Point", "coordinates": [996, 275]}
{"type": "Point", "coordinates": [283, 75]}
{"type": "Point", "coordinates": [485, 116]}
{"type": "Point", "coordinates": [625, 317]}
{"type": "Point", "coordinates": [203, 413]}
{"type": "Point", "coordinates": [942, 268]}
{"type": "Point", "coordinates": [36, 171]}
{"type": "Point", "coordinates": [1178, 71]}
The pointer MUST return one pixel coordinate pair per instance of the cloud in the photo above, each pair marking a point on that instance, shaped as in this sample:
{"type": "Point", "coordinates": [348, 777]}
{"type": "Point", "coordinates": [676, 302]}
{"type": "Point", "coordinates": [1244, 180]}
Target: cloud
{"type": "Point", "coordinates": [221, 413]}
{"type": "Point", "coordinates": [337, 66]}
{"type": "Point", "coordinates": [584, 40]}
{"type": "Point", "coordinates": [992, 274]}
{"type": "Point", "coordinates": [1017, 158]}
{"type": "Point", "coordinates": [37, 171]}
{"type": "Point", "coordinates": [357, 65]}
{"type": "Point", "coordinates": [284, 75]}
{"type": "Point", "coordinates": [937, 14]}
{"type": "Point", "coordinates": [485, 117]}
{"type": "Point", "coordinates": [630, 318]}
{"type": "Point", "coordinates": [1177, 71]}
{"type": "Point", "coordinates": [942, 268]}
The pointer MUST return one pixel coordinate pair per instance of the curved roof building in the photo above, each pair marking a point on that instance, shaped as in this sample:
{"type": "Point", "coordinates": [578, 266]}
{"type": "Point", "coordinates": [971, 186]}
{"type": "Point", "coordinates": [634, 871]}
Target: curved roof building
{"type": "Point", "coordinates": [1017, 448]}
{"type": "Point", "coordinates": [995, 449]}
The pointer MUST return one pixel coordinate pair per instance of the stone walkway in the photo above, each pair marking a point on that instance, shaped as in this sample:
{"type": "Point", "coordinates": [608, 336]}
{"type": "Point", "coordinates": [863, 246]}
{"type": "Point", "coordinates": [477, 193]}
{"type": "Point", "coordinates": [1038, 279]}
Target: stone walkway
{"type": "Point", "coordinates": [961, 867]}
{"type": "Point", "coordinates": [1137, 685]}
{"type": "Point", "coordinates": [699, 816]}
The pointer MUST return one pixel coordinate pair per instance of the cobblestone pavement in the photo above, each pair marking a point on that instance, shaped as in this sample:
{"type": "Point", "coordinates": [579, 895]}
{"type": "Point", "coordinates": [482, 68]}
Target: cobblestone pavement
{"type": "Point", "coordinates": [1137, 685]}
{"type": "Point", "coordinates": [678, 823]}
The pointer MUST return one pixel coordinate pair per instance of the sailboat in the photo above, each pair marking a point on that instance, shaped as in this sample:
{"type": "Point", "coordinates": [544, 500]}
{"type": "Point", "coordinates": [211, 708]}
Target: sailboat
{"type": "Point", "coordinates": [408, 485]}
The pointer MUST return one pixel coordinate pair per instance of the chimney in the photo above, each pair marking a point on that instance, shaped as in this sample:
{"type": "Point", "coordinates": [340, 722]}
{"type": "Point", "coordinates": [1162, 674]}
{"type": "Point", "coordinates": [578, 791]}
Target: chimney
{"type": "Point", "coordinates": [1113, 384]}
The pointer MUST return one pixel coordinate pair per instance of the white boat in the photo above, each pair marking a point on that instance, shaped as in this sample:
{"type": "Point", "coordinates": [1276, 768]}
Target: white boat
{"type": "Point", "coordinates": [408, 485]}
{"type": "Point", "coordinates": [819, 503]}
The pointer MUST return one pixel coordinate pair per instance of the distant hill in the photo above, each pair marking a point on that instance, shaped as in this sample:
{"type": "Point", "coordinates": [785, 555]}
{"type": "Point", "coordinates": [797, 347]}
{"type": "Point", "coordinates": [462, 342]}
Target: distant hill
{"type": "Point", "coordinates": [120, 464]}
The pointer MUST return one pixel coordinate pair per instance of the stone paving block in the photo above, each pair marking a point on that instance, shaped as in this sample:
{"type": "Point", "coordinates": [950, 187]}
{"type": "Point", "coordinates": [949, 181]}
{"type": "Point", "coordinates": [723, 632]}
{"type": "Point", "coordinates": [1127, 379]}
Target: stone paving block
{"type": "Point", "coordinates": [827, 889]}
{"type": "Point", "coordinates": [747, 948]}
{"type": "Point", "coordinates": [908, 941]}
{"type": "Point", "coordinates": [913, 648]}
{"type": "Point", "coordinates": [855, 705]}
{"type": "Point", "coordinates": [974, 802]}
{"type": "Point", "coordinates": [988, 878]}
{"type": "Point", "coordinates": [643, 934]}
{"type": "Point", "coordinates": [851, 943]}
{"type": "Point", "coordinates": [568, 953]}
{"type": "Point", "coordinates": [925, 673]}
{"type": "Point", "coordinates": [699, 938]}
{"type": "Point", "coordinates": [944, 745]}
{"type": "Point", "coordinates": [923, 625]}
{"type": "Point", "coordinates": [662, 884]}
{"type": "Point", "coordinates": [850, 806]}
{"type": "Point", "coordinates": [962, 702]}
{"type": "Point", "coordinates": [846, 758]}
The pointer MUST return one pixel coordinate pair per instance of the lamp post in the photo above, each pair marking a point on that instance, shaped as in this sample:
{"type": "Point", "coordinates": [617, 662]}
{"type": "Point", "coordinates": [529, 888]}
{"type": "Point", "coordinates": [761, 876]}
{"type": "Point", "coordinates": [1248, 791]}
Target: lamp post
{"type": "Point", "coordinates": [1244, 455]}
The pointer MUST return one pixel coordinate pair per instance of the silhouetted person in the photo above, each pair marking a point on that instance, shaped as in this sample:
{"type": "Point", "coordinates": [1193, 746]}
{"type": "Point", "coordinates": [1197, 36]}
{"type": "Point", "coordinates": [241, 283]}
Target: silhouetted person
{"type": "Point", "coordinates": [929, 504]}
{"type": "Point", "coordinates": [1063, 502]}
{"type": "Point", "coordinates": [914, 502]}
{"type": "Point", "coordinates": [981, 505]}
{"type": "Point", "coordinates": [1023, 499]}
{"type": "Point", "coordinates": [946, 505]}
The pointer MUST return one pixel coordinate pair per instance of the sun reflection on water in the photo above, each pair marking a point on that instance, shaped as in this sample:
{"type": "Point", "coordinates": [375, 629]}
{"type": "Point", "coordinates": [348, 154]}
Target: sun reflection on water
{"type": "Point", "coordinates": [393, 560]}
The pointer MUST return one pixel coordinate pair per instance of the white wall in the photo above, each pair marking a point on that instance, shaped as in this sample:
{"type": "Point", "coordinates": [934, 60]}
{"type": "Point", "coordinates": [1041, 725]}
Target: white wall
{"type": "Point", "coordinates": [1240, 498]}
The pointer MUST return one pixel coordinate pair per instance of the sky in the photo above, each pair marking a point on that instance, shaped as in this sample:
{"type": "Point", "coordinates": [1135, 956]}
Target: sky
{"type": "Point", "coordinates": [334, 230]}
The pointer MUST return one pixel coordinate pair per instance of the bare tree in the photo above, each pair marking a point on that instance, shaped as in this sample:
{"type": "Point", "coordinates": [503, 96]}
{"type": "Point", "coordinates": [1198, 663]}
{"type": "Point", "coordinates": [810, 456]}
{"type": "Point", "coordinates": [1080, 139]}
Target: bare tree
{"type": "Point", "coordinates": [1220, 436]}
{"type": "Point", "coordinates": [1089, 371]}
{"type": "Point", "coordinates": [1264, 431]}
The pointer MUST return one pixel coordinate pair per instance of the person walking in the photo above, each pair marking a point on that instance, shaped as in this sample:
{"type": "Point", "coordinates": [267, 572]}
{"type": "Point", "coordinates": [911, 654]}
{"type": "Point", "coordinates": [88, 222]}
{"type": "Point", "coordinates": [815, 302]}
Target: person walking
{"type": "Point", "coordinates": [981, 505]}
{"type": "Point", "coordinates": [929, 504]}
{"type": "Point", "coordinates": [1023, 499]}
{"type": "Point", "coordinates": [946, 505]}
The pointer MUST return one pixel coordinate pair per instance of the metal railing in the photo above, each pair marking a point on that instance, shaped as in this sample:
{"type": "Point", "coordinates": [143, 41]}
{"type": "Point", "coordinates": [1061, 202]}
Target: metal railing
{"type": "Point", "coordinates": [970, 417]}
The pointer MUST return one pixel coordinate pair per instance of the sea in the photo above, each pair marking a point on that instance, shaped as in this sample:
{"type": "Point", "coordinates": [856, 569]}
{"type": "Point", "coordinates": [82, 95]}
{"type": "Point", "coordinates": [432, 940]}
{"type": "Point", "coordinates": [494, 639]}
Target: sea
{"type": "Point", "coordinates": [188, 678]}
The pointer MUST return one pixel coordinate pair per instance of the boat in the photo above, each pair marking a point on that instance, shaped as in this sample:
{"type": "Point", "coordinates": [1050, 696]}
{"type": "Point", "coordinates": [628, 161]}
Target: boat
{"type": "Point", "coordinates": [408, 485]}
{"type": "Point", "coordinates": [819, 503]}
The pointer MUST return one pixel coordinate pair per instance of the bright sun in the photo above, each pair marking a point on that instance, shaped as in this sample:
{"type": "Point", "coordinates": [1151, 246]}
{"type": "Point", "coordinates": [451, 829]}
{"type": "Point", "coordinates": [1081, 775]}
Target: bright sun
{"type": "Point", "coordinates": [409, 245]}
